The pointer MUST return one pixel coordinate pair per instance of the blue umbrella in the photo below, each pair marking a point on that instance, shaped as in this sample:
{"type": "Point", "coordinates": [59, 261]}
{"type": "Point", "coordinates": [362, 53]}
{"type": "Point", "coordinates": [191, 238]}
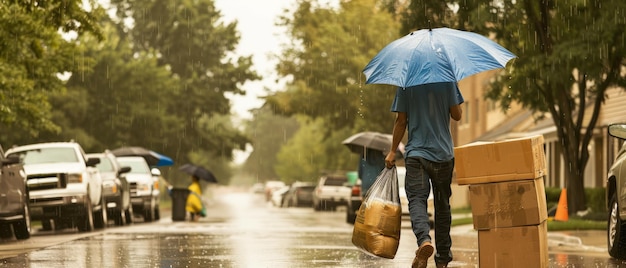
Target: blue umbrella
{"type": "Point", "coordinates": [435, 55]}
{"type": "Point", "coordinates": [152, 158]}
{"type": "Point", "coordinates": [163, 160]}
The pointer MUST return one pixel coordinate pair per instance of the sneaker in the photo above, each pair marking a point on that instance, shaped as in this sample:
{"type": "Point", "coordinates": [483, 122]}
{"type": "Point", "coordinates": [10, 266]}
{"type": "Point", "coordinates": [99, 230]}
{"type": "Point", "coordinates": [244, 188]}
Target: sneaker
{"type": "Point", "coordinates": [442, 265]}
{"type": "Point", "coordinates": [422, 254]}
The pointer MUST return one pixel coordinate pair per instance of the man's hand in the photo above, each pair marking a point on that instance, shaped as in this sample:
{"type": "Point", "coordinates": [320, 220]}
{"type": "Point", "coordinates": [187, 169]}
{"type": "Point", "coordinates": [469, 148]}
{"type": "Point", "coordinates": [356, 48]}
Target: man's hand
{"type": "Point", "coordinates": [390, 159]}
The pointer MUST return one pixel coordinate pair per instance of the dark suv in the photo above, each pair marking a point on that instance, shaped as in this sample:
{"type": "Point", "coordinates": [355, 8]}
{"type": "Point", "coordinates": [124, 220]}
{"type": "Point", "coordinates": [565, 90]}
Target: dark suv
{"type": "Point", "coordinates": [14, 208]}
{"type": "Point", "coordinates": [615, 192]}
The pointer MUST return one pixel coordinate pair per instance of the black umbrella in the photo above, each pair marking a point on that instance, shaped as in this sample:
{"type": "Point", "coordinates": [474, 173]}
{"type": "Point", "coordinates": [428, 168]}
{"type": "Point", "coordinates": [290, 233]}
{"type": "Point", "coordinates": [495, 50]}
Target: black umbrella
{"type": "Point", "coordinates": [152, 158]}
{"type": "Point", "coordinates": [370, 140]}
{"type": "Point", "coordinates": [198, 171]}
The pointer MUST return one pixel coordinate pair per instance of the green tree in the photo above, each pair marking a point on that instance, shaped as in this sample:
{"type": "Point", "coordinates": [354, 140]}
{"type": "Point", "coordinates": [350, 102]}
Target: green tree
{"type": "Point", "coordinates": [32, 55]}
{"type": "Point", "coordinates": [268, 132]}
{"type": "Point", "coordinates": [326, 60]}
{"type": "Point", "coordinates": [310, 153]}
{"type": "Point", "coordinates": [570, 53]}
{"type": "Point", "coordinates": [420, 14]}
{"type": "Point", "coordinates": [191, 41]}
{"type": "Point", "coordinates": [118, 97]}
{"type": "Point", "coordinates": [217, 161]}
{"type": "Point", "coordinates": [330, 48]}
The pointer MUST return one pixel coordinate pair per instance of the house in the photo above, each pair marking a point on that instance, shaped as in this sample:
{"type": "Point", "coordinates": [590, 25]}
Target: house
{"type": "Point", "coordinates": [484, 121]}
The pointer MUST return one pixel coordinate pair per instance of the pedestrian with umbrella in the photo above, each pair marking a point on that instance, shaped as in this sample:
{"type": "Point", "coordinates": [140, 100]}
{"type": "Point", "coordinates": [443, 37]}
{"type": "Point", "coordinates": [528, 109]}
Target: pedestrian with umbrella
{"type": "Point", "coordinates": [426, 66]}
{"type": "Point", "coordinates": [372, 148]}
{"type": "Point", "coordinates": [195, 207]}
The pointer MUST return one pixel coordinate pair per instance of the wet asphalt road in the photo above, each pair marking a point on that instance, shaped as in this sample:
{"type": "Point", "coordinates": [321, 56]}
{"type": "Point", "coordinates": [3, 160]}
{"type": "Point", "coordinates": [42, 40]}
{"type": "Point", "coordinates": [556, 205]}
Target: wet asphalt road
{"type": "Point", "coordinates": [242, 230]}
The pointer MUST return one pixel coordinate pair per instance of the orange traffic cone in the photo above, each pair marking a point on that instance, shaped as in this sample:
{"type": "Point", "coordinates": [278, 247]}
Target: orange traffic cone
{"type": "Point", "coordinates": [561, 209]}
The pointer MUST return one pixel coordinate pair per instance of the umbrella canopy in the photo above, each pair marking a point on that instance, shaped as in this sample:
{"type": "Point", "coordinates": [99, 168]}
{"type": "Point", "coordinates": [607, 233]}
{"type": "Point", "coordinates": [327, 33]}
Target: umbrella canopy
{"type": "Point", "coordinates": [198, 171]}
{"type": "Point", "coordinates": [152, 158]}
{"type": "Point", "coordinates": [370, 140]}
{"type": "Point", "coordinates": [435, 55]}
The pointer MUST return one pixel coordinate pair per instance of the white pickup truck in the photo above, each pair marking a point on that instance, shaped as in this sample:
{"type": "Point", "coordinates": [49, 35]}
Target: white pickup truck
{"type": "Point", "coordinates": [331, 191]}
{"type": "Point", "coordinates": [64, 186]}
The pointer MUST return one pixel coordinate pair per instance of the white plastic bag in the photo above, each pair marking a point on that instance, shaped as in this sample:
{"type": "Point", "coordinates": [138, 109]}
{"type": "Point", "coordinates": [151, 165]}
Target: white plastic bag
{"type": "Point", "coordinates": [377, 226]}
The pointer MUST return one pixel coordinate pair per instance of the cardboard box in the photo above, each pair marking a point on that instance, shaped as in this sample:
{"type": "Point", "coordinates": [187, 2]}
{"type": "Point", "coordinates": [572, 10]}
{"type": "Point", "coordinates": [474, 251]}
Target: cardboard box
{"type": "Point", "coordinates": [514, 247]}
{"type": "Point", "coordinates": [377, 228]}
{"type": "Point", "coordinates": [508, 204]}
{"type": "Point", "coordinates": [515, 159]}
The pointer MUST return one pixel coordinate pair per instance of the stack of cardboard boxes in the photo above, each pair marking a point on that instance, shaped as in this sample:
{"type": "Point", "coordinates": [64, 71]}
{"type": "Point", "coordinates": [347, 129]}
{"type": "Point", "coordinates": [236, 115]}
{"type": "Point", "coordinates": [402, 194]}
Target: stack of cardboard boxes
{"type": "Point", "coordinates": [507, 196]}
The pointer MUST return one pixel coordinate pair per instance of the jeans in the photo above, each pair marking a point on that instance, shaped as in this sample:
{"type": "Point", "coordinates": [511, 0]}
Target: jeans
{"type": "Point", "coordinates": [419, 172]}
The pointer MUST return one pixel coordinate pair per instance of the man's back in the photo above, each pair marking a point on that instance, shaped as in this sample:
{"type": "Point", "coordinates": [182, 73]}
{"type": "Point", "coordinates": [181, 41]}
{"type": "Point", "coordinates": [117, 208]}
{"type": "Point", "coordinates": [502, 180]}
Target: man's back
{"type": "Point", "coordinates": [428, 115]}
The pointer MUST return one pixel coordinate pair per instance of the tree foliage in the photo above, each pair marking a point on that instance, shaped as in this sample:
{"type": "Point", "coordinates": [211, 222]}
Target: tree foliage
{"type": "Point", "coordinates": [118, 98]}
{"type": "Point", "coordinates": [309, 153]}
{"type": "Point", "coordinates": [330, 48]}
{"type": "Point", "coordinates": [32, 55]}
{"type": "Point", "coordinates": [268, 132]}
{"type": "Point", "coordinates": [159, 82]}
{"type": "Point", "coordinates": [570, 53]}
{"type": "Point", "coordinates": [190, 40]}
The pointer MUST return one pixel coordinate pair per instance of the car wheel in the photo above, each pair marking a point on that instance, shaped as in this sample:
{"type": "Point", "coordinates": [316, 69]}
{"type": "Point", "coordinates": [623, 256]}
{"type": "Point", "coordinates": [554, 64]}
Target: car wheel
{"type": "Point", "coordinates": [148, 212]}
{"type": "Point", "coordinates": [157, 212]}
{"type": "Point", "coordinates": [119, 216]}
{"type": "Point", "coordinates": [101, 218]}
{"type": "Point", "coordinates": [21, 228]}
{"type": "Point", "coordinates": [85, 221]}
{"type": "Point", "coordinates": [129, 214]}
{"type": "Point", "coordinates": [615, 232]}
{"type": "Point", "coordinates": [350, 216]}
{"type": "Point", "coordinates": [5, 231]}
{"type": "Point", "coordinates": [317, 206]}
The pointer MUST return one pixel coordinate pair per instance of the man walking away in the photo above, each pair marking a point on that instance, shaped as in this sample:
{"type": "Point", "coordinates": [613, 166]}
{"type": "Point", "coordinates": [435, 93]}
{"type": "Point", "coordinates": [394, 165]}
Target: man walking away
{"type": "Point", "coordinates": [425, 111]}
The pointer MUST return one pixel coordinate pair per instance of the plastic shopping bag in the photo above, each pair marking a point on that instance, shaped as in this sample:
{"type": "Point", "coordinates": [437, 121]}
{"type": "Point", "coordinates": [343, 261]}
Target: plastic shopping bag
{"type": "Point", "coordinates": [377, 226]}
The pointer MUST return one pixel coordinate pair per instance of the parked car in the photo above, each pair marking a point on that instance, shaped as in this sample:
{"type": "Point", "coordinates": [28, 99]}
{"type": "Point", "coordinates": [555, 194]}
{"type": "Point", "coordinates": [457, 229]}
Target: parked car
{"type": "Point", "coordinates": [271, 186]}
{"type": "Point", "coordinates": [64, 187]}
{"type": "Point", "coordinates": [278, 196]}
{"type": "Point", "coordinates": [356, 198]}
{"type": "Point", "coordinates": [354, 203]}
{"type": "Point", "coordinates": [300, 194]}
{"type": "Point", "coordinates": [116, 189]}
{"type": "Point", "coordinates": [615, 192]}
{"type": "Point", "coordinates": [330, 192]}
{"type": "Point", "coordinates": [14, 207]}
{"type": "Point", "coordinates": [257, 188]}
{"type": "Point", "coordinates": [144, 188]}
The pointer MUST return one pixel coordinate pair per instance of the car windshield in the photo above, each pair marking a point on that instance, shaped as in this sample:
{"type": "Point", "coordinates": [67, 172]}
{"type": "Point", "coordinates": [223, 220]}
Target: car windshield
{"type": "Point", "coordinates": [135, 166]}
{"type": "Point", "coordinates": [335, 181]}
{"type": "Point", "coordinates": [47, 155]}
{"type": "Point", "coordinates": [105, 165]}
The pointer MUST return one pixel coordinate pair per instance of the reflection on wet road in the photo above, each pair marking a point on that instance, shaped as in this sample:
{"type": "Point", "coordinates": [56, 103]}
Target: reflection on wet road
{"type": "Point", "coordinates": [242, 230]}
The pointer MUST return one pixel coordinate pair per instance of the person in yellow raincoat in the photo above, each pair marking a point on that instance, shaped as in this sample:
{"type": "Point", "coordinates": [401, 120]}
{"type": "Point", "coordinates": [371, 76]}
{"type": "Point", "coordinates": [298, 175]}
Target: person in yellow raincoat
{"type": "Point", "coordinates": [194, 206]}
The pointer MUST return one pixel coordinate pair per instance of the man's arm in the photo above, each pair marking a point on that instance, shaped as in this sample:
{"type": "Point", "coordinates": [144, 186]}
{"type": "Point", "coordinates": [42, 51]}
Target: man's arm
{"type": "Point", "coordinates": [399, 127]}
{"type": "Point", "coordinates": [456, 112]}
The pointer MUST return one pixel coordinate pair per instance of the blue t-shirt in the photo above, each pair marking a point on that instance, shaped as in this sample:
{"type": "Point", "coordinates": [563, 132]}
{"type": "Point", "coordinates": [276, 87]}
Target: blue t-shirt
{"type": "Point", "coordinates": [428, 114]}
